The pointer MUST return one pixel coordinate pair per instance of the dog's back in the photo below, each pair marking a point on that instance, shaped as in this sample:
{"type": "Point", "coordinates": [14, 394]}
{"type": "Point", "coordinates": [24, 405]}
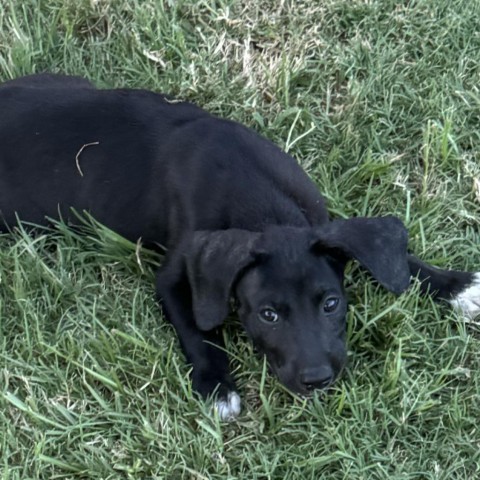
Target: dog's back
{"type": "Point", "coordinates": [130, 156]}
{"type": "Point", "coordinates": [48, 80]}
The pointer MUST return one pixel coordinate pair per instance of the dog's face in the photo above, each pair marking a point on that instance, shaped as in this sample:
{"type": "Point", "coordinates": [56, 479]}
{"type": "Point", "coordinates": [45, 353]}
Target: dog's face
{"type": "Point", "coordinates": [292, 305]}
{"type": "Point", "coordinates": [288, 283]}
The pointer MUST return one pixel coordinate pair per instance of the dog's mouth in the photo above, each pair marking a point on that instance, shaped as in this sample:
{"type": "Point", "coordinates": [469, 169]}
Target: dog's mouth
{"type": "Point", "coordinates": [306, 393]}
{"type": "Point", "coordinates": [288, 375]}
{"type": "Point", "coordinates": [292, 383]}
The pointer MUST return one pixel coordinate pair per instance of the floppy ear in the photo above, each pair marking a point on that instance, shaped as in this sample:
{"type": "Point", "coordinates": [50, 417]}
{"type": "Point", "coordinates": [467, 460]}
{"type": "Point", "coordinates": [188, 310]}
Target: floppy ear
{"type": "Point", "coordinates": [214, 260]}
{"type": "Point", "coordinates": [379, 245]}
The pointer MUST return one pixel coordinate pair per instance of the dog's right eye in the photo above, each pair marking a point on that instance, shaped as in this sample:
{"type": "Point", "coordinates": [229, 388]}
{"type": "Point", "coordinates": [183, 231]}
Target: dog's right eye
{"type": "Point", "coordinates": [331, 304]}
{"type": "Point", "coordinates": [268, 315]}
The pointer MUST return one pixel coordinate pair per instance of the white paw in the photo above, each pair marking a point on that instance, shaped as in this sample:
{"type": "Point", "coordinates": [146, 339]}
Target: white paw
{"type": "Point", "coordinates": [229, 408]}
{"type": "Point", "coordinates": [468, 301]}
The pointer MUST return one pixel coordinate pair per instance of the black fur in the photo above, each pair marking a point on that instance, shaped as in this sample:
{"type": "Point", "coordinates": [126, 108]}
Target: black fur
{"type": "Point", "coordinates": [238, 216]}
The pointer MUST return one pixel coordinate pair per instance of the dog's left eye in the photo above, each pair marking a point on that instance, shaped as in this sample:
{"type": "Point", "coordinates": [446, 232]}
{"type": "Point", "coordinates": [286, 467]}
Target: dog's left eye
{"type": "Point", "coordinates": [268, 315]}
{"type": "Point", "coordinates": [331, 304]}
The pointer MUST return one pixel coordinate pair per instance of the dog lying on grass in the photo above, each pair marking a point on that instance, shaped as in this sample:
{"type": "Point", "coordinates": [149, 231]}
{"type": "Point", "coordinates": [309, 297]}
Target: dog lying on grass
{"type": "Point", "coordinates": [239, 218]}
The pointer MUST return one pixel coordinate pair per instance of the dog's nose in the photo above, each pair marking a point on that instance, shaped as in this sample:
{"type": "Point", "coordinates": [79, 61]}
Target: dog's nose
{"type": "Point", "coordinates": [317, 378]}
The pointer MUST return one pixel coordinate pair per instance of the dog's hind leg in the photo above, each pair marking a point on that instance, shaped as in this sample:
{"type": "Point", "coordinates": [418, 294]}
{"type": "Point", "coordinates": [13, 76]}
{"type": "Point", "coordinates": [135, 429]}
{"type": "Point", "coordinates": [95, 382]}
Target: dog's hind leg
{"type": "Point", "coordinates": [204, 350]}
{"type": "Point", "coordinates": [460, 289]}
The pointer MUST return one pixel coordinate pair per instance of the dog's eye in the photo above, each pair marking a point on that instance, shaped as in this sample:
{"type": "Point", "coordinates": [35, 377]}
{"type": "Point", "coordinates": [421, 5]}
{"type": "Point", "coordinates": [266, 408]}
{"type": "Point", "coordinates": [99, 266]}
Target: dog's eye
{"type": "Point", "coordinates": [268, 315]}
{"type": "Point", "coordinates": [331, 304]}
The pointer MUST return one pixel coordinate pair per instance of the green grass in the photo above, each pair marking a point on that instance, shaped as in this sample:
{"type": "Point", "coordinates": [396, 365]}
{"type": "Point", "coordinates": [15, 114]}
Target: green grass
{"type": "Point", "coordinates": [379, 100]}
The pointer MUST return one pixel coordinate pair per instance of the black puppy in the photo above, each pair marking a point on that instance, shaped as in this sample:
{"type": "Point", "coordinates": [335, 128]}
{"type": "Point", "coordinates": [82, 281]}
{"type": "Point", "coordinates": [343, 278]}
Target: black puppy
{"type": "Point", "coordinates": [239, 218]}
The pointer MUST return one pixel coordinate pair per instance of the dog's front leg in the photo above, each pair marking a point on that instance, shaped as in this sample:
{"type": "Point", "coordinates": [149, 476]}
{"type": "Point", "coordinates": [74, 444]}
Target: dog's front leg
{"type": "Point", "coordinates": [204, 350]}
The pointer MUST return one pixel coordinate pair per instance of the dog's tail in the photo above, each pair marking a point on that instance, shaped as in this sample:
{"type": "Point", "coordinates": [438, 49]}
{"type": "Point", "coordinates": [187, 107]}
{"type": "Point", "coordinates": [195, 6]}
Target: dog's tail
{"type": "Point", "coordinates": [460, 289]}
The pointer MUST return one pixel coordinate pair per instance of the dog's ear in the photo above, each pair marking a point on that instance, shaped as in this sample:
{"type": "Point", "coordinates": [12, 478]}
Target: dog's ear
{"type": "Point", "coordinates": [378, 244]}
{"type": "Point", "coordinates": [214, 260]}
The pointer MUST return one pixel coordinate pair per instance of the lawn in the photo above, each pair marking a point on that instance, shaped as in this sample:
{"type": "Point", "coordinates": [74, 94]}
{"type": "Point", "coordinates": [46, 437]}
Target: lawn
{"type": "Point", "coordinates": [379, 100]}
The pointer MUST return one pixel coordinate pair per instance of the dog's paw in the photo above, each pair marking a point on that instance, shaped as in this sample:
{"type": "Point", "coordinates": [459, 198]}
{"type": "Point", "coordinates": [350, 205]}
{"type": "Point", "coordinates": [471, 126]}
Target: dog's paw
{"type": "Point", "coordinates": [468, 300]}
{"type": "Point", "coordinates": [228, 407]}
{"type": "Point", "coordinates": [221, 390]}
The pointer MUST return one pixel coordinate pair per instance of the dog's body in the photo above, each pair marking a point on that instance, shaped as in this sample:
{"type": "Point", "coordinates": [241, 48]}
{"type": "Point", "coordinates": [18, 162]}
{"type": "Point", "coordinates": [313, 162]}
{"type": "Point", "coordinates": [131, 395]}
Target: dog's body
{"type": "Point", "coordinates": [237, 215]}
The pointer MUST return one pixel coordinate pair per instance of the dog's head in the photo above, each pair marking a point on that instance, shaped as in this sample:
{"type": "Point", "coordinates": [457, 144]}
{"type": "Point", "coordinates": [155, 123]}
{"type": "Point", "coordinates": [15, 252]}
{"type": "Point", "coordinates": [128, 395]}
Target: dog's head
{"type": "Point", "coordinates": [289, 285]}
